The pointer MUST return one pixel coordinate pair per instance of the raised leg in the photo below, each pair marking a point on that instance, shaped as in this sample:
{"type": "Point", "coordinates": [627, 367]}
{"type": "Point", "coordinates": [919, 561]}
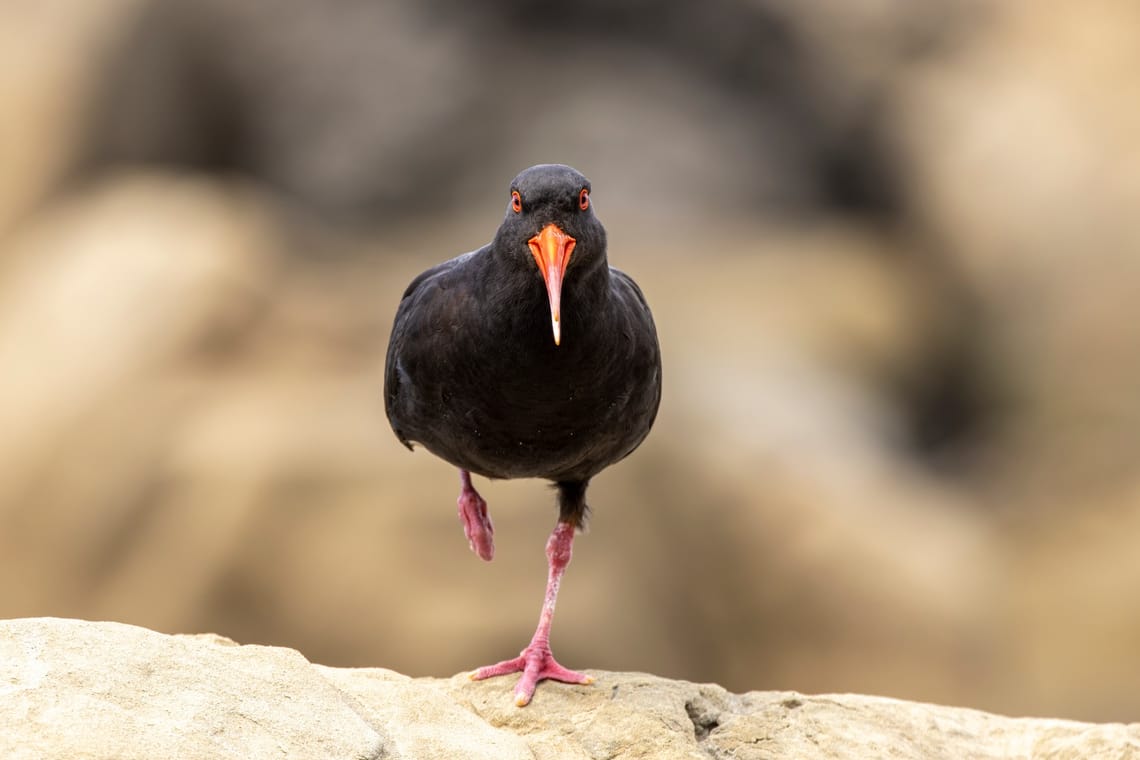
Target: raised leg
{"type": "Point", "coordinates": [536, 661]}
{"type": "Point", "coordinates": [476, 520]}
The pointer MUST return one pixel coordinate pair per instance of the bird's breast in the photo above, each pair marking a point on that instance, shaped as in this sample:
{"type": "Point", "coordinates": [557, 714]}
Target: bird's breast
{"type": "Point", "coordinates": [484, 386]}
{"type": "Point", "coordinates": [517, 409]}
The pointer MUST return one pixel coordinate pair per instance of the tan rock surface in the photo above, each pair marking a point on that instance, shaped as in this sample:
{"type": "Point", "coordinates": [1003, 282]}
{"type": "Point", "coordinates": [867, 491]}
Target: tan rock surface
{"type": "Point", "coordinates": [100, 690]}
{"type": "Point", "coordinates": [79, 689]}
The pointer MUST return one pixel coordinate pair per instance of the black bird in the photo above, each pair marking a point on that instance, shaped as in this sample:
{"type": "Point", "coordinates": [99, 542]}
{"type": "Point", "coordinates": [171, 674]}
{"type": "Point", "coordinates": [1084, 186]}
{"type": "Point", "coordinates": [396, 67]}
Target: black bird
{"type": "Point", "coordinates": [527, 358]}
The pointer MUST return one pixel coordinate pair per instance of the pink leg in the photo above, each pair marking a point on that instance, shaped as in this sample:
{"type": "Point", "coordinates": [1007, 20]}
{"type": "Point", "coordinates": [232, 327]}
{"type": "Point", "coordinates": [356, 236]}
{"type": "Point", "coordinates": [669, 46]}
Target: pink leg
{"type": "Point", "coordinates": [536, 662]}
{"type": "Point", "coordinates": [476, 521]}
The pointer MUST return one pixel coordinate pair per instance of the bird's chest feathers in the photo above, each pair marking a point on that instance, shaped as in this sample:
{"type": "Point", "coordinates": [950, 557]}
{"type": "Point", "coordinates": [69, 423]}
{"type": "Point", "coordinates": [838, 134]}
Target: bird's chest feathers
{"type": "Point", "coordinates": [520, 357]}
{"type": "Point", "coordinates": [505, 367]}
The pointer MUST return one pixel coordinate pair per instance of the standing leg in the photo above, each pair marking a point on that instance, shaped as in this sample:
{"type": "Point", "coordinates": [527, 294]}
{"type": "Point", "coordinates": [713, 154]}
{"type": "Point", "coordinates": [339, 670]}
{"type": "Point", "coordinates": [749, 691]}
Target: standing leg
{"type": "Point", "coordinates": [536, 661]}
{"type": "Point", "coordinates": [476, 520]}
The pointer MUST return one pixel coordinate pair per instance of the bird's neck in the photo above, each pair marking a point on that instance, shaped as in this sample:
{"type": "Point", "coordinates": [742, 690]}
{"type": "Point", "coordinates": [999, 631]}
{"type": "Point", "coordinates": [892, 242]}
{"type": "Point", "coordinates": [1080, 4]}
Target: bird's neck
{"type": "Point", "coordinates": [513, 289]}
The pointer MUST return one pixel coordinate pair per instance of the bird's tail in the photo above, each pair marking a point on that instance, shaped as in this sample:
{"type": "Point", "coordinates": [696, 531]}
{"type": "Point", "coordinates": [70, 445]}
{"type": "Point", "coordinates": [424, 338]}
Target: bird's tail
{"type": "Point", "coordinates": [572, 502]}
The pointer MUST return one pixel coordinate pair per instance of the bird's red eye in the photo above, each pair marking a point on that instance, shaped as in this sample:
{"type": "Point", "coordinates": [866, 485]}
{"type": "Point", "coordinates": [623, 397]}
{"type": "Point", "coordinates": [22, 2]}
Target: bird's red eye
{"type": "Point", "coordinates": [584, 199]}
{"type": "Point", "coordinates": [516, 201]}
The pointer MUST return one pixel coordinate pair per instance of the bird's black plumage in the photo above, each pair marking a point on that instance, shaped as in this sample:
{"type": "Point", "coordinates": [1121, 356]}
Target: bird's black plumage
{"type": "Point", "coordinates": [482, 373]}
{"type": "Point", "coordinates": [472, 371]}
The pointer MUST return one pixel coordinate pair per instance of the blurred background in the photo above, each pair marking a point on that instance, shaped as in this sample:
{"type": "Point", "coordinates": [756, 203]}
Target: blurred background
{"type": "Point", "coordinates": [892, 249]}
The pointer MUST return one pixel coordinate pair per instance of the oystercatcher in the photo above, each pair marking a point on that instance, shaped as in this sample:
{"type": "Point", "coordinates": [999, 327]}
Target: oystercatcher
{"type": "Point", "coordinates": [528, 358]}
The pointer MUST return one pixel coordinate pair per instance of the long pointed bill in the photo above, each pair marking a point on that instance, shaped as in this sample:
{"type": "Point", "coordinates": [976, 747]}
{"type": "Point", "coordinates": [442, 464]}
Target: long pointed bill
{"type": "Point", "coordinates": [552, 248]}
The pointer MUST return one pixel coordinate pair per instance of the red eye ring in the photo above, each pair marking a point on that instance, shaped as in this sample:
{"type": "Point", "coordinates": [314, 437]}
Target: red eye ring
{"type": "Point", "coordinates": [516, 201]}
{"type": "Point", "coordinates": [584, 199]}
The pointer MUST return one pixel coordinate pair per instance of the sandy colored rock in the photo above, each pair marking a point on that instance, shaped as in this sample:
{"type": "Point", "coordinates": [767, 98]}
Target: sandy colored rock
{"type": "Point", "coordinates": [47, 52]}
{"type": "Point", "coordinates": [79, 689]}
{"type": "Point", "coordinates": [99, 690]}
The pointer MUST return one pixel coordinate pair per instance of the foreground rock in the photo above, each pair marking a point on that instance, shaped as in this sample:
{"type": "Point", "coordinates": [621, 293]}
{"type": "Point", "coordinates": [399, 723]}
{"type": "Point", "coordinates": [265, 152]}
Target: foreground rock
{"type": "Point", "coordinates": [77, 689]}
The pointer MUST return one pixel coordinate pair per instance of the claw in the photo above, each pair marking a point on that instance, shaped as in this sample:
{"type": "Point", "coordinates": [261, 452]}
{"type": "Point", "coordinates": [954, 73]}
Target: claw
{"type": "Point", "coordinates": [537, 664]}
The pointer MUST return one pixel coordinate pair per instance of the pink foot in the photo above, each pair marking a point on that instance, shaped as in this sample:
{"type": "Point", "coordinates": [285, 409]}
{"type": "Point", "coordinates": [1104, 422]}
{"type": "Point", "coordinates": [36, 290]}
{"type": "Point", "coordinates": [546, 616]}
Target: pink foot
{"type": "Point", "coordinates": [537, 664]}
{"type": "Point", "coordinates": [476, 520]}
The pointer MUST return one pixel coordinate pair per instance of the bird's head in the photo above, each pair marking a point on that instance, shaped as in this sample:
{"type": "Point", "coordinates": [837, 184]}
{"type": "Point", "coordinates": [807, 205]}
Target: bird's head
{"type": "Point", "coordinates": [550, 224]}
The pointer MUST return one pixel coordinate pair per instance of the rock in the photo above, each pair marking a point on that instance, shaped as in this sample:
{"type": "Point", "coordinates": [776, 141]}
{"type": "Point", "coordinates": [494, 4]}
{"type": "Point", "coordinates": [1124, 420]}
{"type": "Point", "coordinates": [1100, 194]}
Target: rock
{"type": "Point", "coordinates": [304, 98]}
{"type": "Point", "coordinates": [47, 52]}
{"type": "Point", "coordinates": [77, 689]}
{"type": "Point", "coordinates": [998, 138]}
{"type": "Point", "coordinates": [122, 287]}
{"type": "Point", "coordinates": [80, 689]}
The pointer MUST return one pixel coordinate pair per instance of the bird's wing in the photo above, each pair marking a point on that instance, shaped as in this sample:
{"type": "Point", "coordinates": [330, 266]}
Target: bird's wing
{"type": "Point", "coordinates": [416, 311]}
{"type": "Point", "coordinates": [625, 286]}
{"type": "Point", "coordinates": [644, 361]}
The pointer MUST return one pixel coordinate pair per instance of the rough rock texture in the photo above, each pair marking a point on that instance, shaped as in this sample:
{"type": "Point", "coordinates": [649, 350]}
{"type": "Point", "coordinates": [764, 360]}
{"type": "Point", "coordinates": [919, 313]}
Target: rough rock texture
{"type": "Point", "coordinates": [78, 689]}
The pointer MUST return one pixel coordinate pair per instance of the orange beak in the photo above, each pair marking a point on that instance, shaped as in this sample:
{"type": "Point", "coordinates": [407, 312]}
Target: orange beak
{"type": "Point", "coordinates": [552, 248]}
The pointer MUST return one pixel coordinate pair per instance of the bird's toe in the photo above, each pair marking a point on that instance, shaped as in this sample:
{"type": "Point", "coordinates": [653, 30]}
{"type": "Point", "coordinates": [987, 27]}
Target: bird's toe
{"type": "Point", "coordinates": [477, 525]}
